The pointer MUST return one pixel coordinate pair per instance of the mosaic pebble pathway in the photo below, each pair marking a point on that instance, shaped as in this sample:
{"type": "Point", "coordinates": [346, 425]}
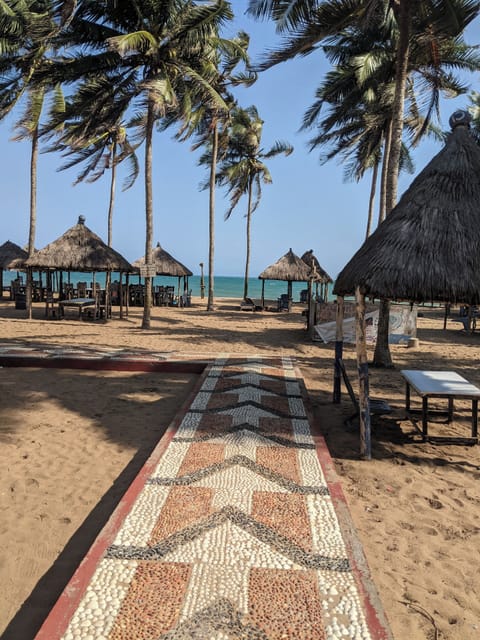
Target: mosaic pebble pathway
{"type": "Point", "coordinates": [235, 529]}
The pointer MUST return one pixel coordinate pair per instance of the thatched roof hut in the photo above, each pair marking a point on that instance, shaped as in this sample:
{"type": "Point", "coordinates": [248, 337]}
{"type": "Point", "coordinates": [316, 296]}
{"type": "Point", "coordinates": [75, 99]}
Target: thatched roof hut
{"type": "Point", "coordinates": [428, 247]}
{"type": "Point", "coordinates": [289, 267]}
{"type": "Point", "coordinates": [320, 274]}
{"type": "Point", "coordinates": [79, 249]}
{"type": "Point", "coordinates": [165, 264]}
{"type": "Point", "coordinates": [12, 256]}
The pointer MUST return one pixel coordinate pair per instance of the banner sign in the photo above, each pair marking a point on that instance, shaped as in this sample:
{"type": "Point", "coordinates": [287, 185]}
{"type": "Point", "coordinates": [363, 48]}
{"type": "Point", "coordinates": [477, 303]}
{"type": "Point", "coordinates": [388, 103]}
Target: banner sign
{"type": "Point", "coordinates": [402, 325]}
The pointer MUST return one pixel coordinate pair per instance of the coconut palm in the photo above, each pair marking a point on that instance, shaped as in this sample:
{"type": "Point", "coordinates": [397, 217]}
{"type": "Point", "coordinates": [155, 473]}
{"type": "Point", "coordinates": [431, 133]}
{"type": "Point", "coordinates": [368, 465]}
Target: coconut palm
{"type": "Point", "coordinates": [210, 125]}
{"type": "Point", "coordinates": [243, 170]}
{"type": "Point", "coordinates": [100, 150]}
{"type": "Point", "coordinates": [310, 23]}
{"type": "Point", "coordinates": [156, 58]}
{"type": "Point", "coordinates": [29, 32]}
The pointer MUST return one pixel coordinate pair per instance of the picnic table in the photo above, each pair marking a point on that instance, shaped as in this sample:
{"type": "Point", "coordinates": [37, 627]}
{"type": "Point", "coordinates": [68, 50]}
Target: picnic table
{"type": "Point", "coordinates": [76, 303]}
{"type": "Point", "coordinates": [441, 384]}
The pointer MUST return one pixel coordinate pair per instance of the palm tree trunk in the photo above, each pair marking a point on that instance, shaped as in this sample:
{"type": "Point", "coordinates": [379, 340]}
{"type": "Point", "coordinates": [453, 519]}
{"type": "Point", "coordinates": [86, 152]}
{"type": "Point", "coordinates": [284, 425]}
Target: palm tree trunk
{"type": "Point", "coordinates": [403, 15]}
{"type": "Point", "coordinates": [113, 181]}
{"type": "Point", "coordinates": [211, 219]}
{"type": "Point", "coordinates": [382, 210]}
{"type": "Point", "coordinates": [247, 260]}
{"type": "Point", "coordinates": [147, 304]}
{"type": "Point", "coordinates": [382, 356]}
{"type": "Point", "coordinates": [33, 217]}
{"type": "Point", "coordinates": [371, 201]}
{"type": "Point", "coordinates": [112, 193]}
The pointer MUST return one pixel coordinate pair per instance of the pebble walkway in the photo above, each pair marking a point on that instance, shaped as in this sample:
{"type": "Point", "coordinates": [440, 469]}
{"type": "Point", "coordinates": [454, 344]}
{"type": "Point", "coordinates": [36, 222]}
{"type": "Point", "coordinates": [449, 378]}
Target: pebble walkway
{"type": "Point", "coordinates": [236, 528]}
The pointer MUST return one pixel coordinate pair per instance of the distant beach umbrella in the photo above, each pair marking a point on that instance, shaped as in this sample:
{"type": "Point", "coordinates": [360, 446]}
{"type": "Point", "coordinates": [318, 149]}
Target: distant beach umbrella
{"type": "Point", "coordinates": [289, 268]}
{"type": "Point", "coordinates": [12, 257]}
{"type": "Point", "coordinates": [427, 249]}
{"type": "Point", "coordinates": [320, 274]}
{"type": "Point", "coordinates": [165, 264]}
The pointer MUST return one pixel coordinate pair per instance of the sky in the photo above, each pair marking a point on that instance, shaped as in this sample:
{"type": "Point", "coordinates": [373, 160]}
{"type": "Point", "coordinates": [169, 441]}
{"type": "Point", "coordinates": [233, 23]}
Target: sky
{"type": "Point", "coordinates": [307, 206]}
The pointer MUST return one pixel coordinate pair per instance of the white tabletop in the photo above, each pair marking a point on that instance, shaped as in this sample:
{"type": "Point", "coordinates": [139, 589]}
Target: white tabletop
{"type": "Point", "coordinates": [440, 383]}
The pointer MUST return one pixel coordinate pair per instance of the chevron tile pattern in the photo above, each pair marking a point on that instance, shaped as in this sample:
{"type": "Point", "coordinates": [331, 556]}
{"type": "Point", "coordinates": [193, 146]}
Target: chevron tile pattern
{"type": "Point", "coordinates": [234, 533]}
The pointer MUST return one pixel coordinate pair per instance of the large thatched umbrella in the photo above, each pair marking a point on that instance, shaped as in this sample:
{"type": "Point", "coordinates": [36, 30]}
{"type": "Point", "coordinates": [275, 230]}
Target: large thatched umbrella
{"type": "Point", "coordinates": [289, 268]}
{"type": "Point", "coordinates": [165, 265]}
{"type": "Point", "coordinates": [427, 249]}
{"type": "Point", "coordinates": [11, 257]}
{"type": "Point", "coordinates": [319, 275]}
{"type": "Point", "coordinates": [79, 249]}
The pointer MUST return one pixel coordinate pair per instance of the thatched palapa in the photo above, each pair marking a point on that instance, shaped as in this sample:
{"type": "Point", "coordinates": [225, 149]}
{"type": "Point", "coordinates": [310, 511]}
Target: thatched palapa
{"type": "Point", "coordinates": [79, 249]}
{"type": "Point", "coordinates": [289, 267]}
{"type": "Point", "coordinates": [12, 256]}
{"type": "Point", "coordinates": [319, 274]}
{"type": "Point", "coordinates": [427, 249]}
{"type": "Point", "coordinates": [165, 264]}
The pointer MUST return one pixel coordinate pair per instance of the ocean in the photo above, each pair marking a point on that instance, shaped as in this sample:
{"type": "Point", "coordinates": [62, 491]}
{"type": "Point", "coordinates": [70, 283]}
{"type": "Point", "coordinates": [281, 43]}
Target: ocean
{"type": "Point", "coordinates": [225, 286]}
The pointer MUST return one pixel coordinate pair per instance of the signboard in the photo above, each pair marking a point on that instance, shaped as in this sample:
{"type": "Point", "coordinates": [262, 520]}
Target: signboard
{"type": "Point", "coordinates": [148, 271]}
{"type": "Point", "coordinates": [402, 326]}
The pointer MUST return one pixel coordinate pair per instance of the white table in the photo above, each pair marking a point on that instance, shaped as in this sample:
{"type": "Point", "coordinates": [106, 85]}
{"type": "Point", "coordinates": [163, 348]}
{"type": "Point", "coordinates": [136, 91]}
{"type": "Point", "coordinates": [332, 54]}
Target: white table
{"type": "Point", "coordinates": [441, 384]}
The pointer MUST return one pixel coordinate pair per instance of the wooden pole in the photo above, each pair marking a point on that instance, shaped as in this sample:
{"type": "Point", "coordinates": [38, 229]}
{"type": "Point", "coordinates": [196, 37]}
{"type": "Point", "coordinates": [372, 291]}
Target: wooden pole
{"type": "Point", "coordinates": [120, 293]}
{"type": "Point", "coordinates": [447, 313]}
{"type": "Point", "coordinates": [263, 294]}
{"type": "Point", "coordinates": [337, 374]}
{"type": "Point", "coordinates": [362, 363]}
{"type": "Point", "coordinates": [312, 308]}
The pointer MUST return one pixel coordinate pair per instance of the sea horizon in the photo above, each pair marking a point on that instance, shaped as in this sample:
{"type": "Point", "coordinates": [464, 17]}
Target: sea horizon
{"type": "Point", "coordinates": [224, 286]}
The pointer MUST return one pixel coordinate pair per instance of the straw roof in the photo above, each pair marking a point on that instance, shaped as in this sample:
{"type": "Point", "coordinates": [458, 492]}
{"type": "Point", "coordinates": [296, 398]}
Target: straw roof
{"type": "Point", "coordinates": [12, 256]}
{"type": "Point", "coordinates": [428, 248]}
{"type": "Point", "coordinates": [79, 249]}
{"type": "Point", "coordinates": [320, 274]}
{"type": "Point", "coordinates": [165, 264]}
{"type": "Point", "coordinates": [289, 267]}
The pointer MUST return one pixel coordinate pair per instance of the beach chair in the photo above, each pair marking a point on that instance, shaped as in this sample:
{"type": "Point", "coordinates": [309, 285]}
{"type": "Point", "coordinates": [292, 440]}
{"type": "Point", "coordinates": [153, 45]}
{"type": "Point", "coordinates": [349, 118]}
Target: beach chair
{"type": "Point", "coordinates": [284, 302]}
{"type": "Point", "coordinates": [377, 407]}
{"type": "Point", "coordinates": [247, 304]}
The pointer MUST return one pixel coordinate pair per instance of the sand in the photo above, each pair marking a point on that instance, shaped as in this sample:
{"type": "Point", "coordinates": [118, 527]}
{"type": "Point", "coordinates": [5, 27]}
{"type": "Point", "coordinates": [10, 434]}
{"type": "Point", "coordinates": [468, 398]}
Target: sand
{"type": "Point", "coordinates": [72, 441]}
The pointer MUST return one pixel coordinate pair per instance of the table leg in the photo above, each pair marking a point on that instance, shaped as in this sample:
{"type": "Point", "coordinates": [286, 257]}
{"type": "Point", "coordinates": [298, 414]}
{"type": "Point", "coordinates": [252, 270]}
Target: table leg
{"type": "Point", "coordinates": [450, 410]}
{"type": "Point", "coordinates": [474, 418]}
{"type": "Point", "coordinates": [407, 397]}
{"type": "Point", "coordinates": [425, 417]}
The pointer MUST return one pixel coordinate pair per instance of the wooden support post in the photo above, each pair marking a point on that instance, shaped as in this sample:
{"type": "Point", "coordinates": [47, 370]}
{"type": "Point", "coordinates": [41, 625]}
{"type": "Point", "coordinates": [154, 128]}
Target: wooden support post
{"type": "Point", "coordinates": [447, 313]}
{"type": "Point", "coordinates": [312, 308]}
{"type": "Point", "coordinates": [362, 363]}
{"type": "Point", "coordinates": [337, 374]}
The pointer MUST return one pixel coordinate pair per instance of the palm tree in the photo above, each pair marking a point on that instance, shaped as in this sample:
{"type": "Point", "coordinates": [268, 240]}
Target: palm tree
{"type": "Point", "coordinates": [210, 124]}
{"type": "Point", "coordinates": [29, 30]}
{"type": "Point", "coordinates": [155, 56]}
{"type": "Point", "coordinates": [105, 150]}
{"type": "Point", "coordinates": [310, 23]}
{"type": "Point", "coordinates": [243, 171]}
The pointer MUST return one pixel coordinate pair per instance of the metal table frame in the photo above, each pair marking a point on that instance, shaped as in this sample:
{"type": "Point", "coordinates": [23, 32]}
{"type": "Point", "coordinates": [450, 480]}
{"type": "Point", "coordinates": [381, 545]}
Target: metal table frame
{"type": "Point", "coordinates": [441, 384]}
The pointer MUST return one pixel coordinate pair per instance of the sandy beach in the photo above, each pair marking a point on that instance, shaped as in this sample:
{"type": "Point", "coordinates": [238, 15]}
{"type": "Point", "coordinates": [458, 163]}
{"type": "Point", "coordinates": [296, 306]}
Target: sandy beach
{"type": "Point", "coordinates": [72, 441]}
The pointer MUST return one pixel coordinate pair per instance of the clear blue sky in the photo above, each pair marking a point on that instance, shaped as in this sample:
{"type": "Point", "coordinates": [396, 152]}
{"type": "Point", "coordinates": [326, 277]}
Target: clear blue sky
{"type": "Point", "coordinates": [308, 205]}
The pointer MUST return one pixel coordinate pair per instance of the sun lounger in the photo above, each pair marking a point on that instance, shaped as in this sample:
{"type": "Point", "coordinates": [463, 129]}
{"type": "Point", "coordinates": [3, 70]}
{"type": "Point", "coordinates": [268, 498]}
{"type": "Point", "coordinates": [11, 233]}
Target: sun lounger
{"type": "Point", "coordinates": [247, 305]}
